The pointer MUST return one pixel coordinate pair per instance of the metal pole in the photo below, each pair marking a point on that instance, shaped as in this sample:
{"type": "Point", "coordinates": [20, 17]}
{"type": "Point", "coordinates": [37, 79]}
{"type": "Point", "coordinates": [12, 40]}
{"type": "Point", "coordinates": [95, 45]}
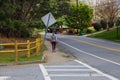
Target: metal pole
{"type": "Point", "coordinates": [47, 27]}
{"type": "Point", "coordinates": [42, 48]}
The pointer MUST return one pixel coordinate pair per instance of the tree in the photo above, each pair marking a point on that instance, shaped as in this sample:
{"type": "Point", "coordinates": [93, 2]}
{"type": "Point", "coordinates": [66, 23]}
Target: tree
{"type": "Point", "coordinates": [57, 7]}
{"type": "Point", "coordinates": [108, 10]}
{"type": "Point", "coordinates": [20, 16]}
{"type": "Point", "coordinates": [14, 17]}
{"type": "Point", "coordinates": [81, 15]}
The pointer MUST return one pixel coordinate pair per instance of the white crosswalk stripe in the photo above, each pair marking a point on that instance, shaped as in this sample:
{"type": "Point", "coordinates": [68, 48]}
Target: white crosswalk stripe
{"type": "Point", "coordinates": [4, 77]}
{"type": "Point", "coordinates": [68, 66]}
{"type": "Point", "coordinates": [75, 75]}
{"type": "Point", "coordinates": [45, 73]}
{"type": "Point", "coordinates": [69, 70]}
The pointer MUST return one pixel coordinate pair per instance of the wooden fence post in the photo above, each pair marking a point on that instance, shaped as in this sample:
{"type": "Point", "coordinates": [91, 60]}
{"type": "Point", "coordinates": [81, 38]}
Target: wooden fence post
{"type": "Point", "coordinates": [16, 51]}
{"type": "Point", "coordinates": [37, 49]}
{"type": "Point", "coordinates": [39, 45]}
{"type": "Point", "coordinates": [28, 48]}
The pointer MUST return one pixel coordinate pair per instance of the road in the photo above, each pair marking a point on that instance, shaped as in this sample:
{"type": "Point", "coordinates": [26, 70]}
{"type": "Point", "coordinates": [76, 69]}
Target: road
{"type": "Point", "coordinates": [101, 54]}
{"type": "Point", "coordinates": [95, 60]}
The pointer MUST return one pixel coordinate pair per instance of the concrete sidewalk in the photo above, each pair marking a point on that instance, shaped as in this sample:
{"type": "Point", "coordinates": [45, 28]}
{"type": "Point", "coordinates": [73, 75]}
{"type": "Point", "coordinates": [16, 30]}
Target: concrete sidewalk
{"type": "Point", "coordinates": [55, 57]}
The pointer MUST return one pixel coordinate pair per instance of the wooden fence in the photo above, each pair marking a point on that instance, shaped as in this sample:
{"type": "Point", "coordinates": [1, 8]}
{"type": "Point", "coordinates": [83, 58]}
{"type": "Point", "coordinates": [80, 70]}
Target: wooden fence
{"type": "Point", "coordinates": [37, 44]}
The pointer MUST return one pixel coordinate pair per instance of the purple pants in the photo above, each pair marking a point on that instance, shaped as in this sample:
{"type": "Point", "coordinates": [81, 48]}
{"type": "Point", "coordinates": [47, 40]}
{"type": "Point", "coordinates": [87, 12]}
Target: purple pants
{"type": "Point", "coordinates": [53, 45]}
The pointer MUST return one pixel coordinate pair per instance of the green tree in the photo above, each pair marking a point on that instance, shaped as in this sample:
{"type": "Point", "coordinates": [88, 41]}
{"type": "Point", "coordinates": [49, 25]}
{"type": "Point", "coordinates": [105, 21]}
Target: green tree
{"type": "Point", "coordinates": [79, 17]}
{"type": "Point", "coordinates": [14, 15]}
{"type": "Point", "coordinates": [20, 16]}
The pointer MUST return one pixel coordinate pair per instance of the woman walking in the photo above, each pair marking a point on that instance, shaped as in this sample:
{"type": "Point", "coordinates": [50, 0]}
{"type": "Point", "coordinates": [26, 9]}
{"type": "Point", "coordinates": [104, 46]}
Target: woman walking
{"type": "Point", "coordinates": [53, 41]}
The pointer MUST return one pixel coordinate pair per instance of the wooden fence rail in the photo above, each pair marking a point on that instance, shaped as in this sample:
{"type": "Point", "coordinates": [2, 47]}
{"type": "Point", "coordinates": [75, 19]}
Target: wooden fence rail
{"type": "Point", "coordinates": [36, 45]}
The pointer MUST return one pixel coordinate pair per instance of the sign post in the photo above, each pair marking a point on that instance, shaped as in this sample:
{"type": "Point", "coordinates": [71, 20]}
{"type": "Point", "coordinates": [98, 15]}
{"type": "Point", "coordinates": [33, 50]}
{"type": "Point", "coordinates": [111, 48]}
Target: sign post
{"type": "Point", "coordinates": [48, 20]}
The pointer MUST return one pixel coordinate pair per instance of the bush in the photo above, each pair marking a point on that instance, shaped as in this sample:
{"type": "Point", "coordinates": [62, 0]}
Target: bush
{"type": "Point", "coordinates": [110, 24]}
{"type": "Point", "coordinates": [97, 26]}
{"type": "Point", "coordinates": [89, 31]}
{"type": "Point", "coordinates": [118, 22]}
{"type": "Point", "coordinates": [25, 33]}
{"type": "Point", "coordinates": [103, 24]}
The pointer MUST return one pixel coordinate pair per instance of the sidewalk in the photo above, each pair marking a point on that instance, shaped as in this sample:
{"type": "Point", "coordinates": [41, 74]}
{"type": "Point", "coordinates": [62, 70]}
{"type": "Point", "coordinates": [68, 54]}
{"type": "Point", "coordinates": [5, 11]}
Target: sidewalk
{"type": "Point", "coordinates": [55, 57]}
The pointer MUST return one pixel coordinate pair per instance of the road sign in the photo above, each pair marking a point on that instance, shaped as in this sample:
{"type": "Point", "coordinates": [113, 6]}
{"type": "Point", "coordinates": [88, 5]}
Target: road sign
{"type": "Point", "coordinates": [48, 19]}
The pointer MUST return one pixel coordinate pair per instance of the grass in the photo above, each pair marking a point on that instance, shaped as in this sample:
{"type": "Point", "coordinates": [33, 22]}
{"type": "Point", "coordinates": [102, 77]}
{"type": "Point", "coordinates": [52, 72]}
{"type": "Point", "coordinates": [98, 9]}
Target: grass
{"type": "Point", "coordinates": [39, 30]}
{"type": "Point", "coordinates": [6, 57]}
{"type": "Point", "coordinates": [108, 35]}
{"type": "Point", "coordinates": [10, 57]}
{"type": "Point", "coordinates": [32, 58]}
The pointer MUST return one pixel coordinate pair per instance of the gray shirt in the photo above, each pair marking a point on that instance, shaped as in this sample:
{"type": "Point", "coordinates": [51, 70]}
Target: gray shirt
{"type": "Point", "coordinates": [53, 38]}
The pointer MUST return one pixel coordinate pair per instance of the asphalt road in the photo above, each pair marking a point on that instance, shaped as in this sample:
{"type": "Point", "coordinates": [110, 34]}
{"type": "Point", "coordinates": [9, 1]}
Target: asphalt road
{"type": "Point", "coordinates": [101, 54]}
{"type": "Point", "coordinates": [95, 60]}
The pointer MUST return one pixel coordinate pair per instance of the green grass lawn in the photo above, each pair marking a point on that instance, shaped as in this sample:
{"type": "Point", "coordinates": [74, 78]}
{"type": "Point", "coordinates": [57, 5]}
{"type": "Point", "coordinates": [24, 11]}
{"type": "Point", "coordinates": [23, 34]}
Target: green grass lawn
{"type": "Point", "coordinates": [10, 57]}
{"type": "Point", "coordinates": [32, 58]}
{"type": "Point", "coordinates": [6, 57]}
{"type": "Point", "coordinates": [109, 35]}
{"type": "Point", "coordinates": [39, 30]}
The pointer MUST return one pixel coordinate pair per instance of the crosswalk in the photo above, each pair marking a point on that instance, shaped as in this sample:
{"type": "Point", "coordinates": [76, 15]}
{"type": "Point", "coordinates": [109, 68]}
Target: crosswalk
{"type": "Point", "coordinates": [71, 70]}
{"type": "Point", "coordinates": [75, 70]}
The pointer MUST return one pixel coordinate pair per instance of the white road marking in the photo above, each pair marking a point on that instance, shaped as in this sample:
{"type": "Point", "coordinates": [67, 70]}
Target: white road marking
{"type": "Point", "coordinates": [91, 54]}
{"type": "Point", "coordinates": [4, 77]}
{"type": "Point", "coordinates": [68, 66]}
{"type": "Point", "coordinates": [96, 70]}
{"type": "Point", "coordinates": [75, 75]}
{"type": "Point", "coordinates": [45, 73]}
{"type": "Point", "coordinates": [69, 70]}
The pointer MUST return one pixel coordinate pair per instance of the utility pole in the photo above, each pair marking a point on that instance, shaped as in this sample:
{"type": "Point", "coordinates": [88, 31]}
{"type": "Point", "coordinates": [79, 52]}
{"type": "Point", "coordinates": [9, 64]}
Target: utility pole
{"type": "Point", "coordinates": [117, 28]}
{"type": "Point", "coordinates": [117, 32]}
{"type": "Point", "coordinates": [77, 15]}
{"type": "Point", "coordinates": [77, 3]}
